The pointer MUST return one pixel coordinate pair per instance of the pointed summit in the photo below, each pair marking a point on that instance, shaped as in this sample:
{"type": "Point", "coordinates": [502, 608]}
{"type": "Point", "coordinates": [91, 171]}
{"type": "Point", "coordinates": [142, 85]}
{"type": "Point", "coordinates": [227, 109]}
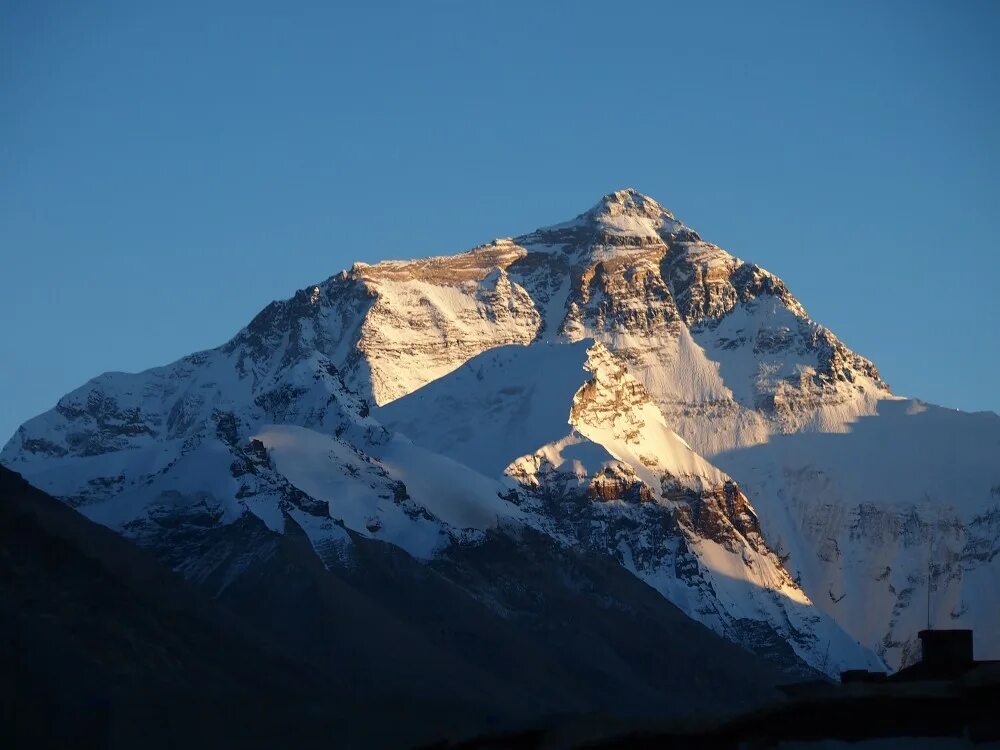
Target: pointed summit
{"type": "Point", "coordinates": [622, 218]}
{"type": "Point", "coordinates": [628, 202]}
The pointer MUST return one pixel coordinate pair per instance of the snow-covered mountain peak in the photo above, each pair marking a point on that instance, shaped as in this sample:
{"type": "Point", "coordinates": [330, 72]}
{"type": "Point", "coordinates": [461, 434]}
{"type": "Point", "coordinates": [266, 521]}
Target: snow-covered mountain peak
{"type": "Point", "coordinates": [628, 213]}
{"type": "Point", "coordinates": [628, 202]}
{"type": "Point", "coordinates": [618, 223]}
{"type": "Point", "coordinates": [613, 369]}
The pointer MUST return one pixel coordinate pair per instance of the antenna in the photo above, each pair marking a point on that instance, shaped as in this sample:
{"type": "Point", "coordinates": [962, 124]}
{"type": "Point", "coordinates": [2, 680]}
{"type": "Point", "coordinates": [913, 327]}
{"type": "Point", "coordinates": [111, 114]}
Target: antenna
{"type": "Point", "coordinates": [928, 590]}
{"type": "Point", "coordinates": [930, 550]}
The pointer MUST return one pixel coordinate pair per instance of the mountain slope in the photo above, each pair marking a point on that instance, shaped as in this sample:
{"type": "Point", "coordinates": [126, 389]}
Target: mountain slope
{"type": "Point", "coordinates": [102, 643]}
{"type": "Point", "coordinates": [908, 499]}
{"type": "Point", "coordinates": [591, 461]}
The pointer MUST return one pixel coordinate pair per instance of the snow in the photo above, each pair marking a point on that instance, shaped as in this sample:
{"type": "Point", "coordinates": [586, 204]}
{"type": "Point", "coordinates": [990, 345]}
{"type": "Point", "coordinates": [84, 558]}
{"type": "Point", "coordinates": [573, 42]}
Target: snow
{"type": "Point", "coordinates": [629, 226]}
{"type": "Point", "coordinates": [625, 213]}
{"type": "Point", "coordinates": [555, 310]}
{"type": "Point", "coordinates": [514, 401]}
{"type": "Point", "coordinates": [693, 376]}
{"type": "Point", "coordinates": [328, 471]}
{"type": "Point", "coordinates": [643, 439]}
{"type": "Point", "coordinates": [862, 512]}
{"type": "Point", "coordinates": [909, 454]}
{"type": "Point", "coordinates": [455, 320]}
{"type": "Point", "coordinates": [458, 495]}
{"type": "Point", "coordinates": [502, 404]}
{"type": "Point", "coordinates": [746, 376]}
{"type": "Point", "coordinates": [582, 457]}
{"type": "Point", "coordinates": [200, 475]}
{"type": "Point", "coordinates": [357, 494]}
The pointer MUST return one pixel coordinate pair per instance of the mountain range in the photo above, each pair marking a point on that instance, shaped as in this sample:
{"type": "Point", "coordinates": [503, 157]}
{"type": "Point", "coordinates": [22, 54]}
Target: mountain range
{"type": "Point", "coordinates": [590, 445]}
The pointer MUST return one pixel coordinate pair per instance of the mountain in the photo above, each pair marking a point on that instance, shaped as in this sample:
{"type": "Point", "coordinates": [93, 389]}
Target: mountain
{"type": "Point", "coordinates": [614, 384]}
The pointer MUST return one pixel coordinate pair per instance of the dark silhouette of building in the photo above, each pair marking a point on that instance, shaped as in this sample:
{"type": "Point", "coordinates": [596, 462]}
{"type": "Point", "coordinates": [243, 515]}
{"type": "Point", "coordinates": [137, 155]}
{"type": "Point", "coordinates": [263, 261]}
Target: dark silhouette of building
{"type": "Point", "coordinates": [944, 655]}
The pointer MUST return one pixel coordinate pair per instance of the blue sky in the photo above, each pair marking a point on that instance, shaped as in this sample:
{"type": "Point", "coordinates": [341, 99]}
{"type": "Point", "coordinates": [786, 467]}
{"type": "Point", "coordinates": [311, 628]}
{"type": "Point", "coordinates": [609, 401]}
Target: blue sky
{"type": "Point", "coordinates": [167, 171]}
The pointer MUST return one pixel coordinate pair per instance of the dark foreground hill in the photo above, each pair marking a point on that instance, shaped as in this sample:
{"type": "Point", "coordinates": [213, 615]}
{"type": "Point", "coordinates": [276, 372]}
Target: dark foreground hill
{"type": "Point", "coordinates": [102, 645]}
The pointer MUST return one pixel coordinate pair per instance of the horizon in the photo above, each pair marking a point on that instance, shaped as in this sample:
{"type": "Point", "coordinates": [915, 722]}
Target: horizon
{"type": "Point", "coordinates": [152, 179]}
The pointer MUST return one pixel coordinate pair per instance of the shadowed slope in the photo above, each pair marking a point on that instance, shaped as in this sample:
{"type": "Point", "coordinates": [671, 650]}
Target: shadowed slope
{"type": "Point", "coordinates": [103, 646]}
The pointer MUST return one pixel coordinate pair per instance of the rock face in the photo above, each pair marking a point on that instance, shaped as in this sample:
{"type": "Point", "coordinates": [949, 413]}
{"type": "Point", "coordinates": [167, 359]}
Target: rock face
{"type": "Point", "coordinates": [615, 382]}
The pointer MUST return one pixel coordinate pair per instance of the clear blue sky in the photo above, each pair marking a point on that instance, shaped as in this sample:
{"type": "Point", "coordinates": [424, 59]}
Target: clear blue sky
{"type": "Point", "coordinates": [167, 171]}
